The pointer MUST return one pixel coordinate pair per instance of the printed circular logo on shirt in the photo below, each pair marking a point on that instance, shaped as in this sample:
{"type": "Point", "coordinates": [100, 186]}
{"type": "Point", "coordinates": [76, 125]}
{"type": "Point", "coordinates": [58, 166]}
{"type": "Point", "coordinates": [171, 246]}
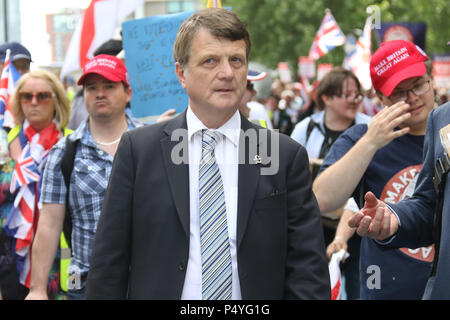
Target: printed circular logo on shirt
{"type": "Point", "coordinates": [401, 186]}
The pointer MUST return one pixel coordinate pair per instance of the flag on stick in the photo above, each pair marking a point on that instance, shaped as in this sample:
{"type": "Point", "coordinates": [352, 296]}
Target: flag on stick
{"type": "Point", "coordinates": [327, 38]}
{"type": "Point", "coordinates": [9, 77]}
{"type": "Point", "coordinates": [97, 26]}
{"type": "Point", "coordinates": [335, 273]}
{"type": "Point", "coordinates": [359, 61]}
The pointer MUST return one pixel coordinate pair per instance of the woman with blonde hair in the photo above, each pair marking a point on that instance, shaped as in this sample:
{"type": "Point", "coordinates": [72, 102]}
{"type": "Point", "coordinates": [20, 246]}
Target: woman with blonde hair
{"type": "Point", "coordinates": [41, 109]}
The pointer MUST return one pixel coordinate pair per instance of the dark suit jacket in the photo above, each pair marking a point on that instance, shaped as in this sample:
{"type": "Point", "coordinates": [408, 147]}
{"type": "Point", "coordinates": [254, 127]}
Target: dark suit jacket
{"type": "Point", "coordinates": [142, 243]}
{"type": "Point", "coordinates": [416, 214]}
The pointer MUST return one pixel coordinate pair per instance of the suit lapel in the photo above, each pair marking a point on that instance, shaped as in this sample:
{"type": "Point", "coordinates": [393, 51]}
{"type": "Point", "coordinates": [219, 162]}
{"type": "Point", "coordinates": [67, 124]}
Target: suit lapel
{"type": "Point", "coordinates": [248, 179]}
{"type": "Point", "coordinates": [178, 174]}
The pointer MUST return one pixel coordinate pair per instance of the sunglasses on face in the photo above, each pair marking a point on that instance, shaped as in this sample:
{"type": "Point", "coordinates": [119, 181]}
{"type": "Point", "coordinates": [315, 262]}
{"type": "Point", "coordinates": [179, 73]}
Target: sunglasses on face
{"type": "Point", "coordinates": [41, 97]}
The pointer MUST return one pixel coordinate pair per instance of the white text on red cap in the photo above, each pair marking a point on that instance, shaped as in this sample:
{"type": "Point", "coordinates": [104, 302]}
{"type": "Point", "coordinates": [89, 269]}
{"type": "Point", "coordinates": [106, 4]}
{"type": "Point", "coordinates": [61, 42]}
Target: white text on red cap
{"type": "Point", "coordinates": [391, 60]}
{"type": "Point", "coordinates": [101, 62]}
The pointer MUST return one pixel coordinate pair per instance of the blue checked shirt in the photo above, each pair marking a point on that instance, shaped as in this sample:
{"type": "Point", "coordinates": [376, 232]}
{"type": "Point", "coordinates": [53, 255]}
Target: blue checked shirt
{"type": "Point", "coordinates": [88, 182]}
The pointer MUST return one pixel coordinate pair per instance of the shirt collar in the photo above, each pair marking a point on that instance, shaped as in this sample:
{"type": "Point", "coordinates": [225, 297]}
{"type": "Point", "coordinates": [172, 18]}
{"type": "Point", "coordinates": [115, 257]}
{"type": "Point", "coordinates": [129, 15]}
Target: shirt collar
{"type": "Point", "coordinates": [83, 128]}
{"type": "Point", "coordinates": [230, 129]}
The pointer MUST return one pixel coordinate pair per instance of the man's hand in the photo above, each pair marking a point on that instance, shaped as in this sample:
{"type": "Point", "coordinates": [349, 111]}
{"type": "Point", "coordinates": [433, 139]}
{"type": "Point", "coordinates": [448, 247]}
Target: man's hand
{"type": "Point", "coordinates": [167, 115]}
{"type": "Point", "coordinates": [375, 220]}
{"type": "Point", "coordinates": [381, 129]}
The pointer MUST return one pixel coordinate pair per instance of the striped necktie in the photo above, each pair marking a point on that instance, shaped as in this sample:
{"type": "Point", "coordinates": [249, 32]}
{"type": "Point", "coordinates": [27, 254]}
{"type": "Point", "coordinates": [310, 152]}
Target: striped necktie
{"type": "Point", "coordinates": [215, 247]}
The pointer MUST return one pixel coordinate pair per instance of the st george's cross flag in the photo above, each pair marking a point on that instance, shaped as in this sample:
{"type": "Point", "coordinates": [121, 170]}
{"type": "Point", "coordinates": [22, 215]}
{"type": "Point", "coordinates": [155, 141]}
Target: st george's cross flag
{"type": "Point", "coordinates": [335, 273]}
{"type": "Point", "coordinates": [97, 26]}
{"type": "Point", "coordinates": [359, 61]}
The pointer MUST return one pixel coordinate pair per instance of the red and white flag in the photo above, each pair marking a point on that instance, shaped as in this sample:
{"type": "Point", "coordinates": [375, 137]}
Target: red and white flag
{"type": "Point", "coordinates": [97, 26]}
{"type": "Point", "coordinates": [327, 38]}
{"type": "Point", "coordinates": [359, 61]}
{"type": "Point", "coordinates": [335, 273]}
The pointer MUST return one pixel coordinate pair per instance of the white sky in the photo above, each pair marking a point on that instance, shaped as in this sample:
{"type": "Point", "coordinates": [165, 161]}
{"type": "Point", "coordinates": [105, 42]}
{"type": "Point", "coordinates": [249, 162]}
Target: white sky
{"type": "Point", "coordinates": [33, 20]}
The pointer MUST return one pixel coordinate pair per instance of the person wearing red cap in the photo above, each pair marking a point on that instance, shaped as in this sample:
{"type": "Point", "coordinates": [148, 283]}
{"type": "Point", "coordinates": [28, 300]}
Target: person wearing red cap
{"type": "Point", "coordinates": [106, 91]}
{"type": "Point", "coordinates": [384, 157]}
{"type": "Point", "coordinates": [423, 218]}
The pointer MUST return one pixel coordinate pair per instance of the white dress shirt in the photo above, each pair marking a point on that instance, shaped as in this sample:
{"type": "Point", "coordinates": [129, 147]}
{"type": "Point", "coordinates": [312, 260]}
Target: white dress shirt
{"type": "Point", "coordinates": [227, 156]}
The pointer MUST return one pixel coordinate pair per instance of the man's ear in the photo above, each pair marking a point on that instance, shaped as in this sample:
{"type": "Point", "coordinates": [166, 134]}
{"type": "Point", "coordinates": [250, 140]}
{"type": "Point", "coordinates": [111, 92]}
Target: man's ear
{"type": "Point", "coordinates": [129, 93]}
{"type": "Point", "coordinates": [180, 71]}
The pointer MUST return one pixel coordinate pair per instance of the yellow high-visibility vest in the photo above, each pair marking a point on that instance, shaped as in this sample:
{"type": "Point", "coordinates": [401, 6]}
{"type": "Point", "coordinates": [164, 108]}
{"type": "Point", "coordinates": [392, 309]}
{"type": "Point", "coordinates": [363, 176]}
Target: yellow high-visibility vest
{"type": "Point", "coordinates": [262, 123]}
{"type": "Point", "coordinates": [64, 253]}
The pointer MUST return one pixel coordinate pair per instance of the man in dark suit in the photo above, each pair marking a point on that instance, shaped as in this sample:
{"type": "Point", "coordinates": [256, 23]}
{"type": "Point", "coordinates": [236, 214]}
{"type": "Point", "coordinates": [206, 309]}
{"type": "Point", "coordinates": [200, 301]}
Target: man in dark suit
{"type": "Point", "coordinates": [203, 206]}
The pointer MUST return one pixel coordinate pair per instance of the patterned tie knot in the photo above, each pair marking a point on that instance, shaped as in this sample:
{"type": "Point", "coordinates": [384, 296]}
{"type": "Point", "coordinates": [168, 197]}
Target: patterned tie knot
{"type": "Point", "coordinates": [210, 139]}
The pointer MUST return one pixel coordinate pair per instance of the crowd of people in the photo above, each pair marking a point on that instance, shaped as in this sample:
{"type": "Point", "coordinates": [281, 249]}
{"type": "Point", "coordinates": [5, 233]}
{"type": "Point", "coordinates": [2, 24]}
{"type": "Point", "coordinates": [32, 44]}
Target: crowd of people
{"type": "Point", "coordinates": [93, 205]}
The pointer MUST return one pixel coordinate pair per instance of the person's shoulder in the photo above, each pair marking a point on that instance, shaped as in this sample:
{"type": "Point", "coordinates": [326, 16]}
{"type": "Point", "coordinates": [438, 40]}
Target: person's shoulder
{"type": "Point", "coordinates": [155, 130]}
{"type": "Point", "coordinates": [299, 132]}
{"type": "Point", "coordinates": [356, 131]}
{"type": "Point", "coordinates": [441, 111]}
{"type": "Point", "coordinates": [256, 105]}
{"type": "Point", "coordinates": [362, 118]}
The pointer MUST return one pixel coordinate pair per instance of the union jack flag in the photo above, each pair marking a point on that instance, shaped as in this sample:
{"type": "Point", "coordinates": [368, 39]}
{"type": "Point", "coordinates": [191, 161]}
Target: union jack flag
{"type": "Point", "coordinates": [25, 170]}
{"type": "Point", "coordinates": [9, 77]}
{"type": "Point", "coordinates": [22, 221]}
{"type": "Point", "coordinates": [327, 38]}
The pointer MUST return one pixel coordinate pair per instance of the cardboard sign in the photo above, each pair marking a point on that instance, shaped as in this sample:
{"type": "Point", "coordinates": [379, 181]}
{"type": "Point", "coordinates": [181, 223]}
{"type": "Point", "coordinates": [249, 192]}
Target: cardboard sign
{"type": "Point", "coordinates": [148, 45]}
{"type": "Point", "coordinates": [323, 69]}
{"type": "Point", "coordinates": [285, 73]}
{"type": "Point", "coordinates": [306, 67]}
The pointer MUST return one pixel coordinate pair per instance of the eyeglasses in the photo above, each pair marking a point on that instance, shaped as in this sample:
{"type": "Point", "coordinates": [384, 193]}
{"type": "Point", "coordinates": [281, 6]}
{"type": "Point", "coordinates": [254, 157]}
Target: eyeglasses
{"type": "Point", "coordinates": [351, 97]}
{"type": "Point", "coordinates": [418, 89]}
{"type": "Point", "coordinates": [41, 97]}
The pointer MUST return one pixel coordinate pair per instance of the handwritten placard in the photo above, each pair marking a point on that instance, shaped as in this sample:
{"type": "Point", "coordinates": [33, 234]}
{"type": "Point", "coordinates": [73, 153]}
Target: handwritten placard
{"type": "Point", "coordinates": [148, 45]}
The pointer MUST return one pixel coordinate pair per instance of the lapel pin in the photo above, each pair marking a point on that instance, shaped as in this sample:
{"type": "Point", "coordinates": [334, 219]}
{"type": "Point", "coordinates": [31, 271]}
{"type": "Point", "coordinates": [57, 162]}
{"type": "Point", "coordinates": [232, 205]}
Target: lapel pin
{"type": "Point", "coordinates": [257, 159]}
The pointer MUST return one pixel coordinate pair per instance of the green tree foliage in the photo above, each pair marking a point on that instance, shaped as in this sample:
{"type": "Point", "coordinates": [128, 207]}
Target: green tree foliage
{"type": "Point", "coordinates": [283, 30]}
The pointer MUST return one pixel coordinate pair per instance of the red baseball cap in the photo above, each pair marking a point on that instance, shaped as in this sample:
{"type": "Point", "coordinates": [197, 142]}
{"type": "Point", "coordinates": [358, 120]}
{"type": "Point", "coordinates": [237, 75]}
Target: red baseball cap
{"type": "Point", "coordinates": [110, 67]}
{"type": "Point", "coordinates": [395, 61]}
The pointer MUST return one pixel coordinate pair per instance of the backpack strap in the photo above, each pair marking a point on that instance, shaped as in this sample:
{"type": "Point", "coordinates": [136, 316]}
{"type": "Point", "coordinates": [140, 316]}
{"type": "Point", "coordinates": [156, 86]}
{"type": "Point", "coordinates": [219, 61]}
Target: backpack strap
{"type": "Point", "coordinates": [311, 125]}
{"type": "Point", "coordinates": [66, 169]}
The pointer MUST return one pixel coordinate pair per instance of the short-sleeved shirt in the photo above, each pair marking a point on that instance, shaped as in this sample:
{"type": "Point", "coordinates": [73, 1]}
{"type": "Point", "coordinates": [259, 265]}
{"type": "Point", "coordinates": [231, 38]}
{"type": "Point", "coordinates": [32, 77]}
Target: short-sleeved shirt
{"type": "Point", "coordinates": [391, 176]}
{"type": "Point", "coordinates": [88, 182]}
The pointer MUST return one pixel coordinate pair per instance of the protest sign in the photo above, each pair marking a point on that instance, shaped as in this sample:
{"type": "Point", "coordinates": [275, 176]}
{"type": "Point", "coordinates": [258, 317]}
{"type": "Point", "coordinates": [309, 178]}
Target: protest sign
{"type": "Point", "coordinates": [441, 70]}
{"type": "Point", "coordinates": [148, 45]}
{"type": "Point", "coordinates": [306, 67]}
